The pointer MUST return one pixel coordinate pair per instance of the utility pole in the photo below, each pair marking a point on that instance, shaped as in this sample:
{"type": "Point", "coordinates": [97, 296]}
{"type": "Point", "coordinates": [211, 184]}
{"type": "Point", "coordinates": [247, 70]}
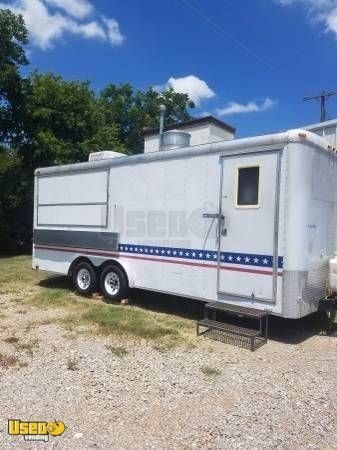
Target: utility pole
{"type": "Point", "coordinates": [322, 98]}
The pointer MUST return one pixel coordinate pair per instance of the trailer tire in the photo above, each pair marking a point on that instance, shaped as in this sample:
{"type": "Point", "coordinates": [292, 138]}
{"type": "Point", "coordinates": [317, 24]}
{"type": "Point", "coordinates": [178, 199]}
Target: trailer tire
{"type": "Point", "coordinates": [113, 283]}
{"type": "Point", "coordinates": [84, 278]}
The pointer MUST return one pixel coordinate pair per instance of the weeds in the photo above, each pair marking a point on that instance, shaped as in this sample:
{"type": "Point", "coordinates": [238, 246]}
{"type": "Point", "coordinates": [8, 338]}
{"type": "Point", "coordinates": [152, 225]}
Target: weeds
{"type": "Point", "coordinates": [121, 352]}
{"type": "Point", "coordinates": [72, 363]}
{"type": "Point", "coordinates": [163, 347]}
{"type": "Point", "coordinates": [8, 360]}
{"type": "Point", "coordinates": [28, 346]}
{"type": "Point", "coordinates": [210, 371]}
{"type": "Point", "coordinates": [11, 340]}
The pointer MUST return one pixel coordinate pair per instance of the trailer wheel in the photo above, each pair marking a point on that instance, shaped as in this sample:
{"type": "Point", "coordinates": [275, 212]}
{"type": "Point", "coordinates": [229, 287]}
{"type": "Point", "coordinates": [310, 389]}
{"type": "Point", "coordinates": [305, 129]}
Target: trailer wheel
{"type": "Point", "coordinates": [113, 283]}
{"type": "Point", "coordinates": [84, 278]}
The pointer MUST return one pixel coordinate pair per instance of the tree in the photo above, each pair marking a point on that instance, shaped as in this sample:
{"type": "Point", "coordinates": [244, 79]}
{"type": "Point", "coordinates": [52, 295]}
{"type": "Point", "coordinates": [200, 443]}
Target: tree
{"type": "Point", "coordinates": [13, 176]}
{"type": "Point", "coordinates": [13, 35]}
{"type": "Point", "coordinates": [64, 123]}
{"type": "Point", "coordinates": [16, 214]}
{"type": "Point", "coordinates": [106, 138]}
{"type": "Point", "coordinates": [134, 110]}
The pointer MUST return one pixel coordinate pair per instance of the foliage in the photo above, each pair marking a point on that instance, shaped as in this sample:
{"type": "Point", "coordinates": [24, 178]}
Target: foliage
{"type": "Point", "coordinates": [16, 213]}
{"type": "Point", "coordinates": [13, 34]}
{"type": "Point", "coordinates": [64, 122]}
{"type": "Point", "coordinates": [135, 110]}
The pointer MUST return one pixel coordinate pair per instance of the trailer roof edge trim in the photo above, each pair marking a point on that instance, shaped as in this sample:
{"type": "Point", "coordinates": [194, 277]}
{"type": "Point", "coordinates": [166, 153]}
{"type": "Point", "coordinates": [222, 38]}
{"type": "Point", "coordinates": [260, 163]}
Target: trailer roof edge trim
{"type": "Point", "coordinates": [270, 140]}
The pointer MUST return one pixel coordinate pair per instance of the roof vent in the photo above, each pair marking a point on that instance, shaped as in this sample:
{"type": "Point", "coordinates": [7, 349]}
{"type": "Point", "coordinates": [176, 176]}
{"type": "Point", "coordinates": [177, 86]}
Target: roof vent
{"type": "Point", "coordinates": [175, 139]}
{"type": "Point", "coordinates": [107, 154]}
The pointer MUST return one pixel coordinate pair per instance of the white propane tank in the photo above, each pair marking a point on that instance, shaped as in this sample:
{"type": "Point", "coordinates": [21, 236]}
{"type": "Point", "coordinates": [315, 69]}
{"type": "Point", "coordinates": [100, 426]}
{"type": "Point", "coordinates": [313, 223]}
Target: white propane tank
{"type": "Point", "coordinates": [333, 274]}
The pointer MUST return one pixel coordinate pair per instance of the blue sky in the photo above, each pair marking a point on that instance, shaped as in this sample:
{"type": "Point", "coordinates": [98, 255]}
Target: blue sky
{"type": "Point", "coordinates": [247, 62]}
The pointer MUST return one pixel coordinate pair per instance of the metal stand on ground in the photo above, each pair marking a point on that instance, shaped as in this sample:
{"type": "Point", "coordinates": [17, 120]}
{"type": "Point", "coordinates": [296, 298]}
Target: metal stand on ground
{"type": "Point", "coordinates": [257, 337]}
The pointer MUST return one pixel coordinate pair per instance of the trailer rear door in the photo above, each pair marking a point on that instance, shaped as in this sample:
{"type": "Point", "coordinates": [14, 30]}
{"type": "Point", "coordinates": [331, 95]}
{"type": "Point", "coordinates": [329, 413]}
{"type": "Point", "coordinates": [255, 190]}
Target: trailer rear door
{"type": "Point", "coordinates": [248, 262]}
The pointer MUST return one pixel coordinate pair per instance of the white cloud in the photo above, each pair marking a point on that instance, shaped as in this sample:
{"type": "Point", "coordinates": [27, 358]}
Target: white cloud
{"type": "Point", "coordinates": [319, 11]}
{"type": "Point", "coordinates": [114, 35]}
{"type": "Point", "coordinates": [240, 108]}
{"type": "Point", "coordinates": [331, 21]}
{"type": "Point", "coordinates": [310, 3]}
{"type": "Point", "coordinates": [91, 30]}
{"type": "Point", "coordinates": [196, 89]}
{"type": "Point", "coordinates": [75, 8]}
{"type": "Point", "coordinates": [46, 26]}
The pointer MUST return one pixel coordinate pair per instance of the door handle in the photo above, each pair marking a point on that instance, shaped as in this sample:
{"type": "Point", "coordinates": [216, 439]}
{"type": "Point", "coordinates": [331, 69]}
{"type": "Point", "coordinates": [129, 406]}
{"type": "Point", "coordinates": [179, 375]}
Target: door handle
{"type": "Point", "coordinates": [213, 216]}
{"type": "Point", "coordinates": [220, 229]}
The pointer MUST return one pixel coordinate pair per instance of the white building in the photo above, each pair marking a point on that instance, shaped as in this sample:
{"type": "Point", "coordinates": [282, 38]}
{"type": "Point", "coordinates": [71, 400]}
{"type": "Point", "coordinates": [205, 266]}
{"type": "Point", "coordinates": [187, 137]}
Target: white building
{"type": "Point", "coordinates": [203, 130]}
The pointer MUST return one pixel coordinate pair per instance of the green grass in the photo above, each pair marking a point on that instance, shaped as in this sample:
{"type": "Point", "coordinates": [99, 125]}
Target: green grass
{"type": "Point", "coordinates": [17, 270]}
{"type": "Point", "coordinates": [53, 298]}
{"type": "Point", "coordinates": [129, 321]}
{"type": "Point", "coordinates": [45, 292]}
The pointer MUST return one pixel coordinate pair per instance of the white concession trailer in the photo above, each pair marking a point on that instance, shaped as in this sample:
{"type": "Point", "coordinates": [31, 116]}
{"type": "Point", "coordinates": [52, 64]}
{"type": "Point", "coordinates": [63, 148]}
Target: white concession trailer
{"type": "Point", "coordinates": [250, 222]}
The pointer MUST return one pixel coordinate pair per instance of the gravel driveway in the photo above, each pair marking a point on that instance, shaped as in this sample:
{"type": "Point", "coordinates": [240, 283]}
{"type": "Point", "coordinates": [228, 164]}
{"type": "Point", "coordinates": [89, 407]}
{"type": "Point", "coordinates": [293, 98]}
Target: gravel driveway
{"type": "Point", "coordinates": [126, 394]}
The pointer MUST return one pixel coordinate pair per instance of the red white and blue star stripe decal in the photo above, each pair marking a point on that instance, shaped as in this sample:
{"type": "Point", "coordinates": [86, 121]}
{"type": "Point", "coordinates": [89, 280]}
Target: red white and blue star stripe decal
{"type": "Point", "coordinates": [232, 261]}
{"type": "Point", "coordinates": [247, 259]}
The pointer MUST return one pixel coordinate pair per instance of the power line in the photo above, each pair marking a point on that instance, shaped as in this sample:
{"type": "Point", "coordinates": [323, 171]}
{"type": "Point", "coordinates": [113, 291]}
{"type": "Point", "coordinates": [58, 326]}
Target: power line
{"type": "Point", "coordinates": [322, 98]}
{"type": "Point", "coordinates": [225, 33]}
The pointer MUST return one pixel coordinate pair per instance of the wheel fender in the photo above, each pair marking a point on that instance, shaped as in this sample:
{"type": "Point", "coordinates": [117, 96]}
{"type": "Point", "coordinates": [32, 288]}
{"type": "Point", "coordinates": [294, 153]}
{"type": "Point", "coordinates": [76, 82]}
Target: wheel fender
{"type": "Point", "coordinates": [126, 266]}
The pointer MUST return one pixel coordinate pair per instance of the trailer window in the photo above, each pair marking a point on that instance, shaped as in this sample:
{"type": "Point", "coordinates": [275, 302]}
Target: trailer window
{"type": "Point", "coordinates": [248, 186]}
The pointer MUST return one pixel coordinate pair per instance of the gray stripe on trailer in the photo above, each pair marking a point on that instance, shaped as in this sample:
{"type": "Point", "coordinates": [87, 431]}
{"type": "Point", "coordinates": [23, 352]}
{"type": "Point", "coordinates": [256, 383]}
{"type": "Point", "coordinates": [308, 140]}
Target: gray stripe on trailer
{"type": "Point", "coordinates": [98, 240]}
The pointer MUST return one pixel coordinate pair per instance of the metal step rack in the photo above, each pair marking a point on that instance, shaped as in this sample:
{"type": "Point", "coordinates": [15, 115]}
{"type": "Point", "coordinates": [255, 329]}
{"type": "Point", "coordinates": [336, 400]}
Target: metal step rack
{"type": "Point", "coordinates": [256, 337]}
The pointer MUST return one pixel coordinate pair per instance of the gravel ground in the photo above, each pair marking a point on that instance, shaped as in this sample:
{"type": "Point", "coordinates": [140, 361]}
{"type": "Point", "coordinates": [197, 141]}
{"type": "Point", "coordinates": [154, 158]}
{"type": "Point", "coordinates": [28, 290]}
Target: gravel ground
{"type": "Point", "coordinates": [281, 396]}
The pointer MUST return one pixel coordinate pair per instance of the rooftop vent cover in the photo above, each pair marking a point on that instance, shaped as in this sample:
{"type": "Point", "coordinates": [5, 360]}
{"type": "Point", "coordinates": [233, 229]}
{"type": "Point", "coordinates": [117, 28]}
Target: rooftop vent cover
{"type": "Point", "coordinates": [97, 156]}
{"type": "Point", "coordinates": [175, 139]}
